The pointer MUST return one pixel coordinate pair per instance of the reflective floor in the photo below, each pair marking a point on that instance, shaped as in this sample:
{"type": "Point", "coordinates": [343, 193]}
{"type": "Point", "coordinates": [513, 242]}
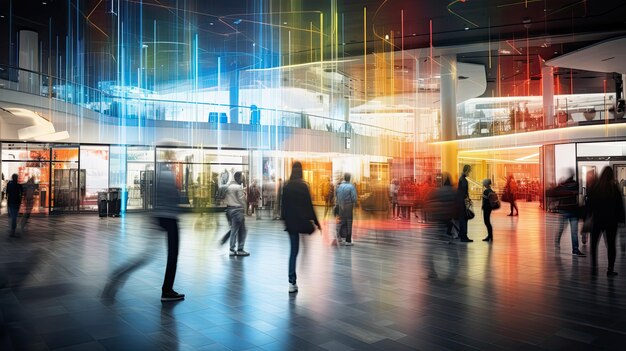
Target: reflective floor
{"type": "Point", "coordinates": [84, 283]}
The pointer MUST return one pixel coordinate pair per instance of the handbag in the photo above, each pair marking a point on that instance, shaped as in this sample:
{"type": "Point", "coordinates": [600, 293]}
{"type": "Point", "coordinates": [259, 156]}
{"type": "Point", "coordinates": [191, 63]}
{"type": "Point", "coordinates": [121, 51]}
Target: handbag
{"type": "Point", "coordinates": [469, 212]}
{"type": "Point", "coordinates": [307, 227]}
{"type": "Point", "coordinates": [506, 197]}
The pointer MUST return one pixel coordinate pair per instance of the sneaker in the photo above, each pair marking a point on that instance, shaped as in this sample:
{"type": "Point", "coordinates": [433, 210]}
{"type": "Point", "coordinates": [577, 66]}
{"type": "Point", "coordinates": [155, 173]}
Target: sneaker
{"type": "Point", "coordinates": [349, 244]}
{"type": "Point", "coordinates": [242, 253]}
{"type": "Point", "coordinates": [578, 253]}
{"type": "Point", "coordinates": [172, 296]}
{"type": "Point", "coordinates": [232, 253]}
{"type": "Point", "coordinates": [293, 287]}
{"type": "Point", "coordinates": [611, 273]}
{"type": "Point", "coordinates": [467, 240]}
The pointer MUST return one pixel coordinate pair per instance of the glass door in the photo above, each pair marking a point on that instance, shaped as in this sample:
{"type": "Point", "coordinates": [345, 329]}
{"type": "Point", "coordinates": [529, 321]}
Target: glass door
{"type": "Point", "coordinates": [31, 163]}
{"type": "Point", "coordinates": [66, 189]}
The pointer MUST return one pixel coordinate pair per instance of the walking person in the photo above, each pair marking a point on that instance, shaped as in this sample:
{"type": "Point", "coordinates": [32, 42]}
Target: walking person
{"type": "Point", "coordinates": [510, 191]}
{"type": "Point", "coordinates": [567, 194]}
{"type": "Point", "coordinates": [487, 208]}
{"type": "Point", "coordinates": [394, 189]}
{"type": "Point", "coordinates": [607, 210]}
{"type": "Point", "coordinates": [346, 200]}
{"type": "Point", "coordinates": [166, 213]}
{"type": "Point", "coordinates": [29, 199]}
{"type": "Point", "coordinates": [297, 212]}
{"type": "Point", "coordinates": [253, 197]}
{"type": "Point", "coordinates": [279, 195]}
{"type": "Point", "coordinates": [461, 201]}
{"type": "Point", "coordinates": [14, 200]}
{"type": "Point", "coordinates": [330, 197]}
{"type": "Point", "coordinates": [235, 210]}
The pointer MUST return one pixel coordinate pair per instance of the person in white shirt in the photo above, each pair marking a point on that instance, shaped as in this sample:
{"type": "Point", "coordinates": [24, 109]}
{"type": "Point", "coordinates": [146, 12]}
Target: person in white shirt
{"type": "Point", "coordinates": [235, 210]}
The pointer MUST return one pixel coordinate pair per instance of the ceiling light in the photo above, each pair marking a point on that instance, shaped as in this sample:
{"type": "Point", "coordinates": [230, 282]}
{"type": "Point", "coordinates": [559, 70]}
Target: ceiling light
{"type": "Point", "coordinates": [211, 23]}
{"type": "Point", "coordinates": [237, 21]}
{"type": "Point", "coordinates": [505, 52]}
{"type": "Point", "coordinates": [285, 23]}
{"type": "Point", "coordinates": [466, 28]}
{"type": "Point", "coordinates": [386, 36]}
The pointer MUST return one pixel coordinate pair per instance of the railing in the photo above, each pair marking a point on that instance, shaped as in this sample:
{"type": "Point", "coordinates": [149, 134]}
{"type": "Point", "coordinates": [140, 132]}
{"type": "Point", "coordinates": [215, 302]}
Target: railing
{"type": "Point", "coordinates": [476, 119]}
{"type": "Point", "coordinates": [134, 103]}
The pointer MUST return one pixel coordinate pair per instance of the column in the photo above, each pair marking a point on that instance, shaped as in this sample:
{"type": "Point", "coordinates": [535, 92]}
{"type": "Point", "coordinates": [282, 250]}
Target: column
{"type": "Point", "coordinates": [448, 115]}
{"type": "Point", "coordinates": [28, 59]}
{"type": "Point", "coordinates": [234, 97]}
{"type": "Point", "coordinates": [547, 83]}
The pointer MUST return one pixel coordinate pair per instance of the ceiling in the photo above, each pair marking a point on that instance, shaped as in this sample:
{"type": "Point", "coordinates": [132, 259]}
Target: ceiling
{"type": "Point", "coordinates": [511, 38]}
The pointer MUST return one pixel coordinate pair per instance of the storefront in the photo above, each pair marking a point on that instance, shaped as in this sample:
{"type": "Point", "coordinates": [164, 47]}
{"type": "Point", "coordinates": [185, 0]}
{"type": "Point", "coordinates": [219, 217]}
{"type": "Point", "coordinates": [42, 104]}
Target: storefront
{"type": "Point", "coordinates": [68, 178]}
{"type": "Point", "coordinates": [587, 160]}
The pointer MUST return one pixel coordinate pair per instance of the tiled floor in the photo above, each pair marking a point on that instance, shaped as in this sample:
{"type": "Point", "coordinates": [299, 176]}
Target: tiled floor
{"type": "Point", "coordinates": [401, 287]}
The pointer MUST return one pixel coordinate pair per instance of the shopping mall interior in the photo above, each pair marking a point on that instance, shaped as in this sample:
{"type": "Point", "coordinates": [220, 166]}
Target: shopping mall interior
{"type": "Point", "coordinates": [98, 97]}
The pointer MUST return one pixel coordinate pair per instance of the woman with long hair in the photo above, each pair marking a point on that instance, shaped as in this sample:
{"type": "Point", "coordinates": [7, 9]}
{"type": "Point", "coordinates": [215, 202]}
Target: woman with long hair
{"type": "Point", "coordinates": [607, 210]}
{"type": "Point", "coordinates": [298, 213]}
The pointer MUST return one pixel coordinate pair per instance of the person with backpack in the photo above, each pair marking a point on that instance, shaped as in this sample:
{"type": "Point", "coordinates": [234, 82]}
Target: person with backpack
{"type": "Point", "coordinates": [490, 203]}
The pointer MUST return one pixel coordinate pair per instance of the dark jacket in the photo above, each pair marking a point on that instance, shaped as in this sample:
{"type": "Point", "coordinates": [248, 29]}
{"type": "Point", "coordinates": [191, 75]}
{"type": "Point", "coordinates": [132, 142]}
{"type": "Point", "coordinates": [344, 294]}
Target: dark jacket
{"type": "Point", "coordinates": [461, 194]}
{"type": "Point", "coordinates": [297, 206]}
{"type": "Point", "coordinates": [14, 193]}
{"type": "Point", "coordinates": [486, 205]}
{"type": "Point", "coordinates": [567, 195]}
{"type": "Point", "coordinates": [606, 208]}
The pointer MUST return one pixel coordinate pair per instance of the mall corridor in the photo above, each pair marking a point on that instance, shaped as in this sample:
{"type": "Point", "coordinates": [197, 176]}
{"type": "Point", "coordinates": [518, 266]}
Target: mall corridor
{"type": "Point", "coordinates": [400, 287]}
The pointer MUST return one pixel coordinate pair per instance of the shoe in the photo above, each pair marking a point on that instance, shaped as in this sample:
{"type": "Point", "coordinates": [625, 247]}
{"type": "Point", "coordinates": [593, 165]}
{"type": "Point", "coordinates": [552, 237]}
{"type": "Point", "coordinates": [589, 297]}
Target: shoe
{"type": "Point", "coordinates": [611, 273]}
{"type": "Point", "coordinates": [242, 253]}
{"type": "Point", "coordinates": [232, 253]}
{"type": "Point", "coordinates": [467, 240]}
{"type": "Point", "coordinates": [349, 244]}
{"type": "Point", "coordinates": [172, 296]}
{"type": "Point", "coordinates": [517, 214]}
{"type": "Point", "coordinates": [487, 239]}
{"type": "Point", "coordinates": [510, 214]}
{"type": "Point", "coordinates": [293, 287]}
{"type": "Point", "coordinates": [578, 253]}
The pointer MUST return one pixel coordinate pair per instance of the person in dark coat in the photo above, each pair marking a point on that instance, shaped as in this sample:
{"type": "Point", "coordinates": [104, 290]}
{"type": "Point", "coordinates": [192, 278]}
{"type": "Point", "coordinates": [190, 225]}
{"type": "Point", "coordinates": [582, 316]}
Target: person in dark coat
{"type": "Point", "coordinates": [297, 212]}
{"type": "Point", "coordinates": [607, 210]}
{"type": "Point", "coordinates": [486, 207]}
{"type": "Point", "coordinates": [462, 197]}
{"type": "Point", "coordinates": [14, 200]}
{"type": "Point", "coordinates": [567, 194]}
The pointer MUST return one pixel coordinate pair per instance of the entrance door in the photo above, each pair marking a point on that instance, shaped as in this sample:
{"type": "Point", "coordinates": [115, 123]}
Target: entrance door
{"type": "Point", "coordinates": [66, 188]}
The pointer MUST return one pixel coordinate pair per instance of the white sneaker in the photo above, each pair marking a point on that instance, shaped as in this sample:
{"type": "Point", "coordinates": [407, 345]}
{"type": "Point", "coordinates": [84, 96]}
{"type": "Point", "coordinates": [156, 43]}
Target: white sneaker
{"type": "Point", "coordinates": [349, 244]}
{"type": "Point", "coordinates": [293, 287]}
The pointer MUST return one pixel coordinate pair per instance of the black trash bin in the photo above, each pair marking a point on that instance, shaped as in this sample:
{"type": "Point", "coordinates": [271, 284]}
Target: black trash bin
{"type": "Point", "coordinates": [102, 203]}
{"type": "Point", "coordinates": [114, 202]}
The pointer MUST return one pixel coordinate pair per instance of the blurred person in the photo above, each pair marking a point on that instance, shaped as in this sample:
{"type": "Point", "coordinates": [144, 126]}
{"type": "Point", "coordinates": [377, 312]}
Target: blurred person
{"type": "Point", "coordinates": [441, 205]}
{"type": "Point", "coordinates": [487, 208]}
{"type": "Point", "coordinates": [330, 197]}
{"type": "Point", "coordinates": [14, 201]}
{"type": "Point", "coordinates": [279, 195]}
{"type": "Point", "coordinates": [346, 200]}
{"type": "Point", "coordinates": [253, 197]}
{"type": "Point", "coordinates": [29, 198]}
{"type": "Point", "coordinates": [297, 212]}
{"type": "Point", "coordinates": [394, 189]}
{"type": "Point", "coordinates": [235, 204]}
{"type": "Point", "coordinates": [586, 229]}
{"type": "Point", "coordinates": [461, 201]}
{"type": "Point", "coordinates": [607, 210]}
{"type": "Point", "coordinates": [166, 213]}
{"type": "Point", "coordinates": [510, 191]}
{"type": "Point", "coordinates": [566, 194]}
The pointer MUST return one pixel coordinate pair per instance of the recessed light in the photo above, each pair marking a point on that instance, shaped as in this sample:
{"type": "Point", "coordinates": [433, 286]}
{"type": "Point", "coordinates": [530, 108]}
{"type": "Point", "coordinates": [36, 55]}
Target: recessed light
{"type": "Point", "coordinates": [285, 23]}
{"type": "Point", "coordinates": [466, 28]}
{"type": "Point", "coordinates": [386, 36]}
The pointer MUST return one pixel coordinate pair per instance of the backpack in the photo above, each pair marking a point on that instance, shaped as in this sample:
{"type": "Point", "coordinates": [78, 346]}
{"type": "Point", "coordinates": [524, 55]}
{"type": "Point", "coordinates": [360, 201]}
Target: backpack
{"type": "Point", "coordinates": [494, 202]}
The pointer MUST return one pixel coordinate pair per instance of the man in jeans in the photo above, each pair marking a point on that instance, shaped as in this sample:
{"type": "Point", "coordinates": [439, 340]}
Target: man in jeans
{"type": "Point", "coordinates": [235, 210]}
{"type": "Point", "coordinates": [346, 200]}
{"type": "Point", "coordinates": [567, 195]}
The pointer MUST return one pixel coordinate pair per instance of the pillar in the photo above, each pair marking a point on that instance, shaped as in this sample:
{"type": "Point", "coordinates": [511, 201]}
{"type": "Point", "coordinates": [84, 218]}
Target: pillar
{"type": "Point", "coordinates": [234, 97]}
{"type": "Point", "coordinates": [28, 60]}
{"type": "Point", "coordinates": [547, 84]}
{"type": "Point", "coordinates": [448, 115]}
